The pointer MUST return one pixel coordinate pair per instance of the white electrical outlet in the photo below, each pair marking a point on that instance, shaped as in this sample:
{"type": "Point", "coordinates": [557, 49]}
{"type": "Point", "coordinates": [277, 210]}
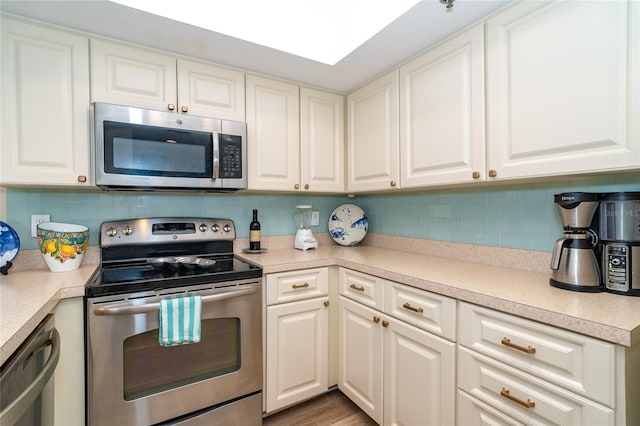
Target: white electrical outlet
{"type": "Point", "coordinates": [315, 218]}
{"type": "Point", "coordinates": [36, 219]}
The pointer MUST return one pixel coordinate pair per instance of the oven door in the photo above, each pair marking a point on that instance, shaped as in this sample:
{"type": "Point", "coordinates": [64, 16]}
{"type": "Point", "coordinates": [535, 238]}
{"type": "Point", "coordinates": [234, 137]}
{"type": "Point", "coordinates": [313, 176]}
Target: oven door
{"type": "Point", "coordinates": [131, 379]}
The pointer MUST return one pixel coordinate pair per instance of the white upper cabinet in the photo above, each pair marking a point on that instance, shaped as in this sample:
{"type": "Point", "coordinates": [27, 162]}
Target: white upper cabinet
{"type": "Point", "coordinates": [144, 78]}
{"type": "Point", "coordinates": [273, 134]}
{"type": "Point", "coordinates": [563, 92]}
{"type": "Point", "coordinates": [131, 76]}
{"type": "Point", "coordinates": [210, 91]}
{"type": "Point", "coordinates": [45, 106]}
{"type": "Point", "coordinates": [373, 135]}
{"type": "Point", "coordinates": [442, 113]}
{"type": "Point", "coordinates": [321, 141]}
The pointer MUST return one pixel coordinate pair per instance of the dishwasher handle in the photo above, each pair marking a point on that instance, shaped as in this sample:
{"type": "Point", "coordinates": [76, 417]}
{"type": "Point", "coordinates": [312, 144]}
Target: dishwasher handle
{"type": "Point", "coordinates": [130, 309]}
{"type": "Point", "coordinates": [12, 413]}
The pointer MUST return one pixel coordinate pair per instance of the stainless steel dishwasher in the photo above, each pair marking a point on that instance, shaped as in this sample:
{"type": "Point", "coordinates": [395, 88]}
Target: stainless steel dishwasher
{"type": "Point", "coordinates": [26, 384]}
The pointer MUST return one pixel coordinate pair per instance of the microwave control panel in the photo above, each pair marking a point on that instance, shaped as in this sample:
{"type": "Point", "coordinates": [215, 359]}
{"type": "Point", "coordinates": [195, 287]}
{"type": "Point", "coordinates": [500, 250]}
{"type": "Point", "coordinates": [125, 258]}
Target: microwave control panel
{"type": "Point", "coordinates": [616, 267]}
{"type": "Point", "coordinates": [230, 156]}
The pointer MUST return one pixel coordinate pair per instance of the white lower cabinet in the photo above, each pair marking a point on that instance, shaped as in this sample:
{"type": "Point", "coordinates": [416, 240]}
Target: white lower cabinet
{"type": "Point", "coordinates": [297, 337]}
{"type": "Point", "coordinates": [516, 371]}
{"type": "Point", "coordinates": [360, 356]}
{"type": "Point", "coordinates": [395, 372]}
{"type": "Point", "coordinates": [68, 379]}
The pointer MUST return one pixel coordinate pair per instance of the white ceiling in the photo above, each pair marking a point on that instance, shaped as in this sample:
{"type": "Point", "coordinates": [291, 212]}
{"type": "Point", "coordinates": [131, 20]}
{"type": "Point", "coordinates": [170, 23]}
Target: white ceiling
{"type": "Point", "coordinates": [424, 25]}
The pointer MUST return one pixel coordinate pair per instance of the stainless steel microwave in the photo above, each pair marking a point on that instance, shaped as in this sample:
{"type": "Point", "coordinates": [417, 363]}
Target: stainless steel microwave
{"type": "Point", "coordinates": [140, 149]}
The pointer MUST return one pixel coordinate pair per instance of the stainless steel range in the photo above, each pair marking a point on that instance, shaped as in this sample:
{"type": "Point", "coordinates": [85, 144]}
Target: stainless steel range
{"type": "Point", "coordinates": [131, 378]}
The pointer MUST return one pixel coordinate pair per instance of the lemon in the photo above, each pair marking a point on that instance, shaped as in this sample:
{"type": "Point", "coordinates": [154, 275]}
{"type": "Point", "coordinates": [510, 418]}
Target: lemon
{"type": "Point", "coordinates": [67, 251]}
{"type": "Point", "coordinates": [50, 247]}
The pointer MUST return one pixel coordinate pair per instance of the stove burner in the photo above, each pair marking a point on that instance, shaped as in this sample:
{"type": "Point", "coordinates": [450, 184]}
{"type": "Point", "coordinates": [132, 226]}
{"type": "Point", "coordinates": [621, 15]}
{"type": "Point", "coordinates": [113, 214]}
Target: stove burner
{"type": "Point", "coordinates": [152, 262]}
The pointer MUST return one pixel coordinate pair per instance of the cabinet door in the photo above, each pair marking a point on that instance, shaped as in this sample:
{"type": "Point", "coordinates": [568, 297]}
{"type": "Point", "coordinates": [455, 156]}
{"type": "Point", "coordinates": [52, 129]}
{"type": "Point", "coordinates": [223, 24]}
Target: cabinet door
{"type": "Point", "coordinates": [372, 139]}
{"type": "Point", "coordinates": [562, 88]}
{"type": "Point", "coordinates": [273, 134]}
{"type": "Point", "coordinates": [442, 113]}
{"type": "Point", "coordinates": [360, 356]}
{"type": "Point", "coordinates": [321, 141]}
{"type": "Point", "coordinates": [45, 106]}
{"type": "Point", "coordinates": [419, 376]}
{"type": "Point", "coordinates": [297, 352]}
{"type": "Point", "coordinates": [209, 91]}
{"type": "Point", "coordinates": [131, 76]}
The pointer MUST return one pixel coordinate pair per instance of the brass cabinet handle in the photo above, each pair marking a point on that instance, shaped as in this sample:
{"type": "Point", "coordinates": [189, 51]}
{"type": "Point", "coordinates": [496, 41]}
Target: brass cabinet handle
{"type": "Point", "coordinates": [529, 403]}
{"type": "Point", "coordinates": [385, 323]}
{"type": "Point", "coordinates": [296, 186]}
{"type": "Point", "coordinates": [355, 287]}
{"type": "Point", "coordinates": [528, 350]}
{"type": "Point", "coordinates": [376, 319]}
{"type": "Point", "coordinates": [171, 107]}
{"type": "Point", "coordinates": [305, 285]}
{"type": "Point", "coordinates": [326, 303]}
{"type": "Point", "coordinates": [185, 108]}
{"type": "Point", "coordinates": [392, 183]}
{"type": "Point", "coordinates": [411, 308]}
{"type": "Point", "coordinates": [306, 186]}
{"type": "Point", "coordinates": [82, 179]}
{"type": "Point", "coordinates": [493, 173]}
{"type": "Point", "coordinates": [475, 175]}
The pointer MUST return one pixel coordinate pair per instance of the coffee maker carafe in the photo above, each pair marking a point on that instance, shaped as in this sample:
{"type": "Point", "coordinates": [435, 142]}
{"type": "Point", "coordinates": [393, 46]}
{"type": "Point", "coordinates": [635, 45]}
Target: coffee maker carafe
{"type": "Point", "coordinates": [573, 263]}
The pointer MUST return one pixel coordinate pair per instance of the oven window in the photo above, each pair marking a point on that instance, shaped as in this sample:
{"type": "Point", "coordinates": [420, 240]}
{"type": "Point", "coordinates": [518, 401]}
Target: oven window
{"type": "Point", "coordinates": [134, 149]}
{"type": "Point", "coordinates": [150, 368]}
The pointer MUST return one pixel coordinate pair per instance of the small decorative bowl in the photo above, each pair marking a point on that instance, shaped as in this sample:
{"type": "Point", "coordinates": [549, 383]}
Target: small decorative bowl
{"type": "Point", "coordinates": [62, 245]}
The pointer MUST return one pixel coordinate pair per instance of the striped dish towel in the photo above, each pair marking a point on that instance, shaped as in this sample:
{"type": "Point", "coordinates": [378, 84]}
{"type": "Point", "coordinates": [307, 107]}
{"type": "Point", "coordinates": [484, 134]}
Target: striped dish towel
{"type": "Point", "coordinates": [179, 321]}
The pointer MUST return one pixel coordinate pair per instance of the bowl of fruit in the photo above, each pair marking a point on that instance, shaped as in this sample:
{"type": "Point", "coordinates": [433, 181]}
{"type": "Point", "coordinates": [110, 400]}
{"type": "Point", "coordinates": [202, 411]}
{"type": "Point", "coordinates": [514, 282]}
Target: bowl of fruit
{"type": "Point", "coordinates": [62, 245]}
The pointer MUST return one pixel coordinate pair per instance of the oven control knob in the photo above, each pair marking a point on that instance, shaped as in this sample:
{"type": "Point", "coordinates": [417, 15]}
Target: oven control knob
{"type": "Point", "coordinates": [215, 227]}
{"type": "Point", "coordinates": [203, 227]}
{"type": "Point", "coordinates": [128, 230]}
{"type": "Point", "coordinates": [112, 231]}
{"type": "Point", "coordinates": [226, 228]}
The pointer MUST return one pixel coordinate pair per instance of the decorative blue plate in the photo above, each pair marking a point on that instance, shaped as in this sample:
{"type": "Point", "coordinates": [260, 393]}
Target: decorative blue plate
{"type": "Point", "coordinates": [348, 225]}
{"type": "Point", "coordinates": [9, 244]}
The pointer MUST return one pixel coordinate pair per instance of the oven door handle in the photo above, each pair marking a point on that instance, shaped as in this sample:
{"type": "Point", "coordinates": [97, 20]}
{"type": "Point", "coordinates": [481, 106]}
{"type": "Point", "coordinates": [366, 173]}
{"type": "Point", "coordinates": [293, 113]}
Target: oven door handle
{"type": "Point", "coordinates": [130, 309]}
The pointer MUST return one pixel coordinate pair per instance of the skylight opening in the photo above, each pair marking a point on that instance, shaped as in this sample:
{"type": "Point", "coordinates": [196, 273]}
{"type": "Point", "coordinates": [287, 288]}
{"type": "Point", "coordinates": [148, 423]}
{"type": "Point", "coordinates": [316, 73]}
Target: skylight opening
{"type": "Point", "coordinates": [321, 30]}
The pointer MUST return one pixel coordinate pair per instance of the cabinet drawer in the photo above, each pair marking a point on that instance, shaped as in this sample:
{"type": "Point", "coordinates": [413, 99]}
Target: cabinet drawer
{"type": "Point", "coordinates": [428, 311]}
{"type": "Point", "coordinates": [523, 397]}
{"type": "Point", "coordinates": [297, 285]}
{"type": "Point", "coordinates": [472, 412]}
{"type": "Point", "coordinates": [363, 288]}
{"type": "Point", "coordinates": [578, 363]}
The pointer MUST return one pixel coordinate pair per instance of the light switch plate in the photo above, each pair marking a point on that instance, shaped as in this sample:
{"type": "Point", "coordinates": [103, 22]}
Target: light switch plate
{"type": "Point", "coordinates": [37, 219]}
{"type": "Point", "coordinates": [315, 218]}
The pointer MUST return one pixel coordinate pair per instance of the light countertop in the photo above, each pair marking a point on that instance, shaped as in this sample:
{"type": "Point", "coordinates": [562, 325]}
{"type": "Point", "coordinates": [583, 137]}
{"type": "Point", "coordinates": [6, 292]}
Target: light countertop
{"type": "Point", "coordinates": [27, 296]}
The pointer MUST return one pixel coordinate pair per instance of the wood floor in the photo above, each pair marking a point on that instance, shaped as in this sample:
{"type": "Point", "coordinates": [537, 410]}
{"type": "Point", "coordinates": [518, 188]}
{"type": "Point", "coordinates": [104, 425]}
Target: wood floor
{"type": "Point", "coordinates": [332, 408]}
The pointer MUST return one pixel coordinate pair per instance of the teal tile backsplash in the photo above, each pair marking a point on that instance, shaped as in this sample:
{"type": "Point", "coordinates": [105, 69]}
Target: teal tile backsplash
{"type": "Point", "coordinates": [520, 215]}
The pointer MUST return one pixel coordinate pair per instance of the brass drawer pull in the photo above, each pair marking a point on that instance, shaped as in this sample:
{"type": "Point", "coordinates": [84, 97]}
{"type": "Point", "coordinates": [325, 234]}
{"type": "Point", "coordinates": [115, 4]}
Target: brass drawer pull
{"type": "Point", "coordinates": [305, 285]}
{"type": "Point", "coordinates": [357, 288]}
{"type": "Point", "coordinates": [376, 319]}
{"type": "Point", "coordinates": [385, 323]}
{"type": "Point", "coordinates": [529, 403]}
{"type": "Point", "coordinates": [326, 303]}
{"type": "Point", "coordinates": [411, 308]}
{"type": "Point", "coordinates": [528, 350]}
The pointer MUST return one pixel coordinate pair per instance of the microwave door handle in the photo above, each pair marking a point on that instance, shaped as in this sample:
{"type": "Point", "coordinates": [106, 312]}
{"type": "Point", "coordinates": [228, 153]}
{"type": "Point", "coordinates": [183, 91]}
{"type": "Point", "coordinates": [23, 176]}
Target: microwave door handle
{"type": "Point", "coordinates": [130, 309]}
{"type": "Point", "coordinates": [216, 155]}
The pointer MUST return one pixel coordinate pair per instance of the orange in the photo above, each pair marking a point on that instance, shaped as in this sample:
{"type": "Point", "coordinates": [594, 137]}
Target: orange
{"type": "Point", "coordinates": [67, 251]}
